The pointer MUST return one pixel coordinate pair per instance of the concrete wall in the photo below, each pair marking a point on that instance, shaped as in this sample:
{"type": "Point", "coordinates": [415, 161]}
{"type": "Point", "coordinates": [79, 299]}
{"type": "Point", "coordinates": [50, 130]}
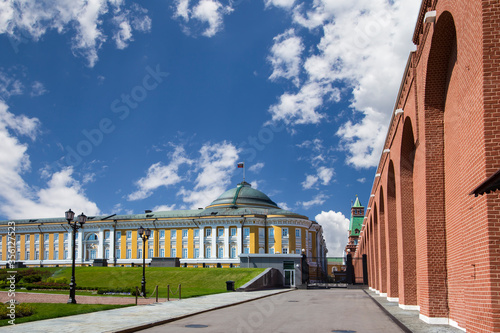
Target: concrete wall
{"type": "Point", "coordinates": [273, 261]}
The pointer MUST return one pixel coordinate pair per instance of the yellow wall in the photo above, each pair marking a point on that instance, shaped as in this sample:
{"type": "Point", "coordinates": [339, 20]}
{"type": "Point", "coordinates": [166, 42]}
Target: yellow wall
{"type": "Point", "coordinates": [123, 244]}
{"type": "Point", "coordinates": [61, 245]}
{"type": "Point", "coordinates": [178, 245]}
{"type": "Point", "coordinates": [291, 240]}
{"type": "Point", "coordinates": [51, 246]}
{"type": "Point", "coordinates": [167, 243]}
{"type": "Point", "coordinates": [5, 240]}
{"type": "Point", "coordinates": [134, 244]}
{"type": "Point", "coordinates": [277, 239]}
{"type": "Point", "coordinates": [190, 243]}
{"type": "Point", "coordinates": [303, 235]}
{"type": "Point", "coordinates": [23, 243]}
{"type": "Point", "coordinates": [156, 243]}
{"type": "Point", "coordinates": [32, 246]}
{"type": "Point", "coordinates": [313, 236]}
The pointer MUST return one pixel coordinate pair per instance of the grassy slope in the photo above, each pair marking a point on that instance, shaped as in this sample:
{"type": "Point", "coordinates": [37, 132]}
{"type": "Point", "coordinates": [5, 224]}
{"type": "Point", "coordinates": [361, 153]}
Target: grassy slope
{"type": "Point", "coordinates": [52, 310]}
{"type": "Point", "coordinates": [194, 281]}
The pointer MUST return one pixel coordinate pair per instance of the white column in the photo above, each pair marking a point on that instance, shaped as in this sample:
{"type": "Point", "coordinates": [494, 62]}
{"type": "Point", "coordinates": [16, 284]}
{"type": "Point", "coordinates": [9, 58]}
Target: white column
{"type": "Point", "coordinates": [112, 245]}
{"type": "Point", "coordinates": [100, 249]}
{"type": "Point", "coordinates": [80, 245]}
{"type": "Point", "coordinates": [202, 242]}
{"type": "Point", "coordinates": [213, 253]}
{"type": "Point", "coordinates": [226, 241]}
{"type": "Point", "coordinates": [239, 232]}
{"type": "Point", "coordinates": [70, 244]}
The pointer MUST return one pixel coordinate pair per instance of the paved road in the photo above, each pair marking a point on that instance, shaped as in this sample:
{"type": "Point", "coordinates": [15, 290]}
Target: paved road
{"type": "Point", "coordinates": [333, 310]}
{"type": "Point", "coordinates": [23, 297]}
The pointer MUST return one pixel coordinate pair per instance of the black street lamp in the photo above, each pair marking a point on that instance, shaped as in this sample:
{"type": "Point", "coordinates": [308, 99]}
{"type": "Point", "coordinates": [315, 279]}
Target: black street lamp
{"type": "Point", "coordinates": [74, 226]}
{"type": "Point", "coordinates": [144, 233]}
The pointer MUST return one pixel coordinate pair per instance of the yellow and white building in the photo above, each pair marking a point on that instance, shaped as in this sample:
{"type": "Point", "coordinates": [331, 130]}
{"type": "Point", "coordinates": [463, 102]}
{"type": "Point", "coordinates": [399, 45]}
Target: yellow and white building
{"type": "Point", "coordinates": [241, 220]}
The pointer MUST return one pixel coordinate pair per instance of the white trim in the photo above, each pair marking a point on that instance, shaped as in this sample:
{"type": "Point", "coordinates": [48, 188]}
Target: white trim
{"type": "Point", "coordinates": [377, 292]}
{"type": "Point", "coordinates": [453, 323]}
{"type": "Point", "coordinates": [393, 299]}
{"type": "Point", "coordinates": [430, 17]}
{"type": "Point", "coordinates": [371, 289]}
{"type": "Point", "coordinates": [383, 294]}
{"type": "Point", "coordinates": [433, 320]}
{"type": "Point", "coordinates": [409, 307]}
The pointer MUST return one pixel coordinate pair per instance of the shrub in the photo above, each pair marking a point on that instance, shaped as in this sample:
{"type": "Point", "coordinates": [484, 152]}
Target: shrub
{"type": "Point", "coordinates": [31, 278]}
{"type": "Point", "coordinates": [21, 310]}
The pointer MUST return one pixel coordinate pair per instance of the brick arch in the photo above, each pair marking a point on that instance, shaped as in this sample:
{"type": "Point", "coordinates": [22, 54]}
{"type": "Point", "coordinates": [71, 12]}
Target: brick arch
{"type": "Point", "coordinates": [382, 242]}
{"type": "Point", "coordinates": [406, 221]}
{"type": "Point", "coordinates": [376, 243]}
{"type": "Point", "coordinates": [391, 234]}
{"type": "Point", "coordinates": [439, 93]}
{"type": "Point", "coordinates": [373, 274]}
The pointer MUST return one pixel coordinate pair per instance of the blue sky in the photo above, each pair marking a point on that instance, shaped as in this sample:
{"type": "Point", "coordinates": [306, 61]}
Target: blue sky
{"type": "Point", "coordinates": [117, 106]}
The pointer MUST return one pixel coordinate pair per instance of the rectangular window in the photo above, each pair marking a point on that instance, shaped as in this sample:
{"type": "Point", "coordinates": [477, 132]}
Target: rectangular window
{"type": "Point", "coordinates": [172, 253]}
{"type": "Point", "coordinates": [233, 252]}
{"type": "Point", "coordinates": [221, 252]}
{"type": "Point", "coordinates": [118, 236]}
{"type": "Point", "coordinates": [247, 250]}
{"type": "Point", "coordinates": [129, 234]}
{"type": "Point", "coordinates": [208, 232]}
{"type": "Point", "coordinates": [139, 254]}
{"type": "Point", "coordinates": [297, 251]}
{"type": "Point", "coordinates": [106, 235]}
{"type": "Point", "coordinates": [196, 232]}
{"type": "Point", "coordinates": [261, 233]}
{"type": "Point", "coordinates": [162, 253]}
{"type": "Point", "coordinates": [285, 251]}
{"type": "Point", "coordinates": [173, 234]}
{"type": "Point", "coordinates": [65, 255]}
{"type": "Point", "coordinates": [56, 255]}
{"type": "Point", "coordinates": [129, 253]}
{"type": "Point", "coordinates": [27, 238]}
{"type": "Point", "coordinates": [46, 237]}
{"type": "Point", "coordinates": [184, 253]}
{"type": "Point", "coordinates": [65, 237]}
{"type": "Point", "coordinates": [56, 237]}
{"type": "Point", "coordinates": [208, 252]}
{"type": "Point", "coordinates": [196, 253]}
{"type": "Point", "coordinates": [37, 237]}
{"type": "Point", "coordinates": [150, 253]}
{"type": "Point", "coordinates": [26, 255]}
{"type": "Point", "coordinates": [271, 250]}
{"type": "Point", "coordinates": [297, 233]}
{"type": "Point", "coordinates": [76, 253]}
{"type": "Point", "coordinates": [162, 234]}
{"type": "Point", "coordinates": [271, 233]}
{"type": "Point", "coordinates": [184, 233]}
{"type": "Point", "coordinates": [118, 253]}
{"type": "Point", "coordinates": [37, 255]}
{"type": "Point", "coordinates": [284, 232]}
{"type": "Point", "coordinates": [246, 232]}
{"type": "Point", "coordinates": [233, 231]}
{"type": "Point", "coordinates": [220, 232]}
{"type": "Point", "coordinates": [106, 254]}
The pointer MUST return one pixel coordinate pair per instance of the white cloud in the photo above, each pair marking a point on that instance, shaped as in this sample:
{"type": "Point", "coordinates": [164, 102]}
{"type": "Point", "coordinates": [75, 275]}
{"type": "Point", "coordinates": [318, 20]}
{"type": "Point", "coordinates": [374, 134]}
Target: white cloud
{"type": "Point", "coordinates": [364, 45]}
{"type": "Point", "coordinates": [159, 175]}
{"type": "Point", "coordinates": [23, 20]}
{"type": "Point", "coordinates": [284, 206]}
{"type": "Point", "coordinates": [164, 208]}
{"type": "Point", "coordinates": [317, 200]}
{"type": "Point", "coordinates": [254, 184]}
{"type": "Point", "coordinates": [335, 226]}
{"type": "Point", "coordinates": [256, 167]}
{"type": "Point", "coordinates": [310, 182]}
{"type": "Point", "coordinates": [285, 56]}
{"type": "Point", "coordinates": [216, 164]}
{"type": "Point", "coordinates": [287, 4]}
{"type": "Point", "coordinates": [37, 89]}
{"type": "Point", "coordinates": [209, 13]}
{"type": "Point", "coordinates": [361, 180]}
{"type": "Point", "coordinates": [20, 200]}
{"type": "Point", "coordinates": [9, 85]}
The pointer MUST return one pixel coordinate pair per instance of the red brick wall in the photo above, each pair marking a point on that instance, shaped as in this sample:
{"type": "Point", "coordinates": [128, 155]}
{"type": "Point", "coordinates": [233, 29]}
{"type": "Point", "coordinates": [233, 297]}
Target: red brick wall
{"type": "Point", "coordinates": [429, 241]}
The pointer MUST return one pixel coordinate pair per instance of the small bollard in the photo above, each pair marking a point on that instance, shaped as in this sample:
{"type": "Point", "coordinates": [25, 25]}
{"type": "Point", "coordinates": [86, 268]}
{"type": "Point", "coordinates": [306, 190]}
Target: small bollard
{"type": "Point", "coordinates": [230, 285]}
{"type": "Point", "coordinates": [168, 293]}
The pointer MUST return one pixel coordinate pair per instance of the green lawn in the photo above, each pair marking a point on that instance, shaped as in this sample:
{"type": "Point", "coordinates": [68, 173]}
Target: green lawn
{"type": "Point", "coordinates": [52, 310]}
{"type": "Point", "coordinates": [194, 281]}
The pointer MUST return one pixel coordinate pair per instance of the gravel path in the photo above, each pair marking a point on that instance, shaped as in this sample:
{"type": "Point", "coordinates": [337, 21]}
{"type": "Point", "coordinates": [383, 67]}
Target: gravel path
{"type": "Point", "coordinates": [24, 297]}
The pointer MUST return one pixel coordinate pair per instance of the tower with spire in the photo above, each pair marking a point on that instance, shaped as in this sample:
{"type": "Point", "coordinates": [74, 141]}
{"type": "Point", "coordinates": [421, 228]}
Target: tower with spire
{"type": "Point", "coordinates": [357, 216]}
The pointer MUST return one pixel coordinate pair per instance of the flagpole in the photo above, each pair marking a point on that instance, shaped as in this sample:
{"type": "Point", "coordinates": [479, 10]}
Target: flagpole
{"type": "Point", "coordinates": [243, 171]}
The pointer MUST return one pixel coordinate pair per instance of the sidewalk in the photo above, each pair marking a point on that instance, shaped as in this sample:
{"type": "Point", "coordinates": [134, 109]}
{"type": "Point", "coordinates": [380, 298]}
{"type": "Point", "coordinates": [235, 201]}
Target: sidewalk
{"type": "Point", "coordinates": [126, 319]}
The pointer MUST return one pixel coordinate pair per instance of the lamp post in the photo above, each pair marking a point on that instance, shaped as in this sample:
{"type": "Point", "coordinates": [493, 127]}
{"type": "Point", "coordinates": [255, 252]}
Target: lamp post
{"type": "Point", "coordinates": [74, 226]}
{"type": "Point", "coordinates": [144, 233]}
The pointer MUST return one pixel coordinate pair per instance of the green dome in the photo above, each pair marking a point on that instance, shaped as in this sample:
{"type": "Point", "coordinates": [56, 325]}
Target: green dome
{"type": "Point", "coordinates": [243, 195]}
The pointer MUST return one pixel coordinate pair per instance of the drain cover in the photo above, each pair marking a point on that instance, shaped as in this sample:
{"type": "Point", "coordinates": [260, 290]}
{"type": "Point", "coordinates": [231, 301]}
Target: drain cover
{"type": "Point", "coordinates": [196, 326]}
{"type": "Point", "coordinates": [343, 331]}
{"type": "Point", "coordinates": [292, 301]}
